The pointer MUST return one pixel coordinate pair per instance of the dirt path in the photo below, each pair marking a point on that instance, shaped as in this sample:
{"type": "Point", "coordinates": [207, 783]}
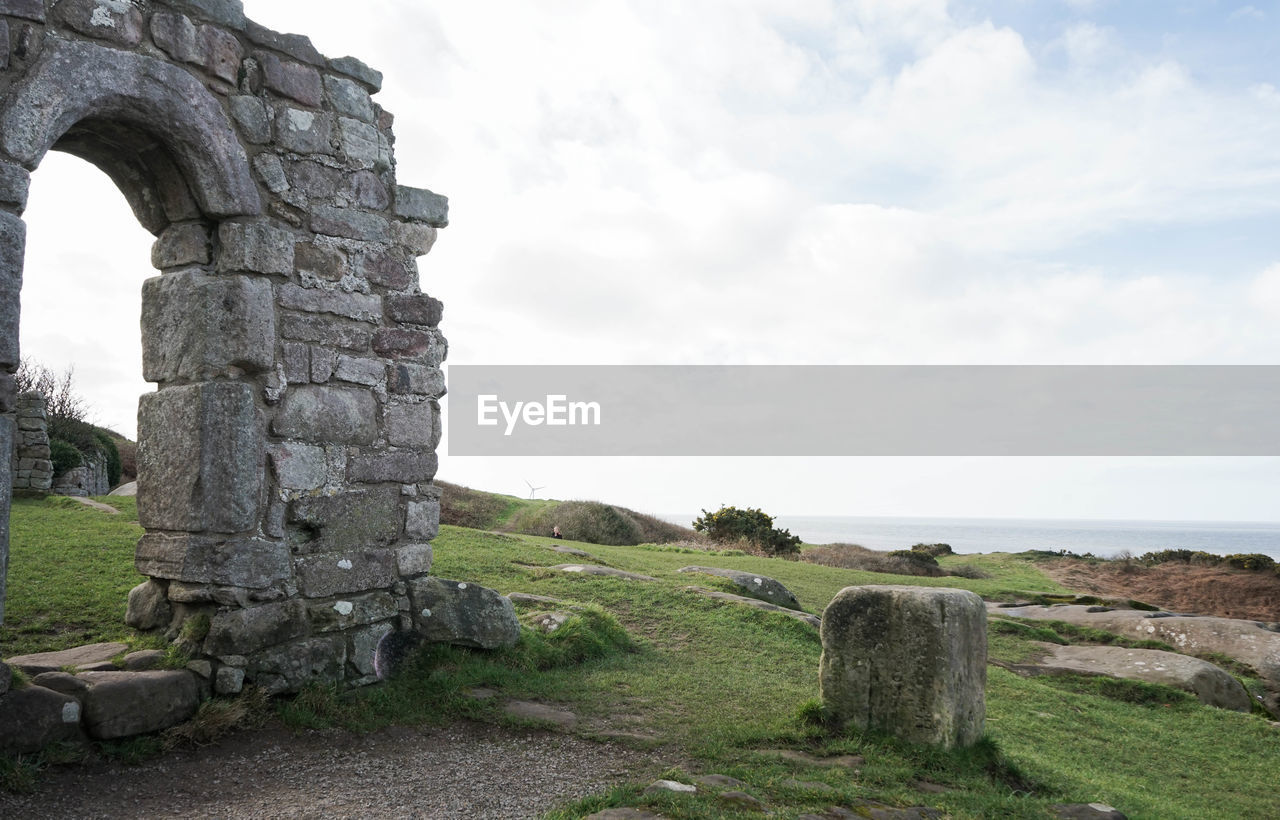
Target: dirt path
{"type": "Point", "coordinates": [1227, 593]}
{"type": "Point", "coordinates": [466, 770]}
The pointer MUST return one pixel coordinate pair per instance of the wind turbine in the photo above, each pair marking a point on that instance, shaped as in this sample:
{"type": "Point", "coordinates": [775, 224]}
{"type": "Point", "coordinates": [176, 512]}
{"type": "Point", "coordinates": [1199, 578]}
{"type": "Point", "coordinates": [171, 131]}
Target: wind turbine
{"type": "Point", "coordinates": [532, 489]}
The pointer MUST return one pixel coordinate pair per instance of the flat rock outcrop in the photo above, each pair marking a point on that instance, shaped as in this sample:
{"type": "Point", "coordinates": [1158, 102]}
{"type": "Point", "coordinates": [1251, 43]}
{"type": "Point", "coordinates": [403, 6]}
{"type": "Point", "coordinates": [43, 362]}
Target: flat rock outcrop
{"type": "Point", "coordinates": [77, 657]}
{"type": "Point", "coordinates": [592, 569]}
{"type": "Point", "coordinates": [755, 603]}
{"type": "Point", "coordinates": [757, 586]}
{"type": "Point", "coordinates": [1211, 684]}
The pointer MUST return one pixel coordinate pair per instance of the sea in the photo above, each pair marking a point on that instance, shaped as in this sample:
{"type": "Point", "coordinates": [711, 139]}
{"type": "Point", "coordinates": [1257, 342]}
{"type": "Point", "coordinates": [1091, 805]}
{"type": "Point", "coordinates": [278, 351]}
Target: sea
{"type": "Point", "coordinates": [974, 535]}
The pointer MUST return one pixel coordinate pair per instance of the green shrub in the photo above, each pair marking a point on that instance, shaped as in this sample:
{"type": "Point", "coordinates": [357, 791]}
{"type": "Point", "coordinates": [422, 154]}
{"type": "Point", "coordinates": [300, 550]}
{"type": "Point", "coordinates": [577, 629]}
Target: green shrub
{"type": "Point", "coordinates": [1250, 561]}
{"type": "Point", "coordinates": [933, 549]}
{"type": "Point", "coordinates": [111, 453]}
{"type": "Point", "coordinates": [64, 456]}
{"type": "Point", "coordinates": [923, 559]}
{"type": "Point", "coordinates": [748, 525]}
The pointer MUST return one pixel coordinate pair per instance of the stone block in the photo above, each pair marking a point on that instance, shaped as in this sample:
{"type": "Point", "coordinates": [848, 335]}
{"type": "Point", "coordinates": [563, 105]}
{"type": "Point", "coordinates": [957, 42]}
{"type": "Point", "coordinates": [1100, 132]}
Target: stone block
{"type": "Point", "coordinates": [417, 379]}
{"type": "Point", "coordinates": [254, 247]}
{"type": "Point", "coordinates": [26, 9]}
{"type": "Point", "coordinates": [123, 704]}
{"type": "Point", "coordinates": [244, 631]}
{"type": "Point", "coordinates": [34, 717]}
{"type": "Point", "coordinates": [363, 307]}
{"type": "Point", "coordinates": [314, 179]}
{"type": "Point", "coordinates": [413, 425]}
{"type": "Point", "coordinates": [464, 614]}
{"type": "Point", "coordinates": [415, 237]}
{"type": "Point", "coordinates": [357, 70]}
{"type": "Point", "coordinates": [387, 269]}
{"type": "Point", "coordinates": [200, 458]}
{"type": "Point", "coordinates": [357, 610]}
{"type": "Point", "coordinates": [320, 576]}
{"type": "Point", "coordinates": [8, 393]}
{"type": "Point", "coordinates": [62, 682]}
{"type": "Point", "coordinates": [253, 117]}
{"type": "Point", "coordinates": [198, 326]}
{"type": "Point", "coordinates": [185, 243]}
{"type": "Point", "coordinates": [909, 661]}
{"type": "Point", "coordinates": [228, 680]}
{"type": "Point", "coordinates": [421, 205]}
{"type": "Point", "coordinates": [293, 80]}
{"type": "Point", "coordinates": [148, 606]}
{"type": "Point", "coordinates": [757, 586]}
{"type": "Point", "coordinates": [414, 309]}
{"type": "Point", "coordinates": [249, 563]}
{"type": "Point", "coordinates": [176, 36]}
{"type": "Point", "coordinates": [295, 45]}
{"type": "Point", "coordinates": [368, 517]}
{"type": "Point", "coordinates": [428, 346]}
{"type": "Point", "coordinates": [330, 415]}
{"type": "Point", "coordinates": [349, 223]}
{"type": "Point", "coordinates": [289, 668]}
{"type": "Point", "coordinates": [365, 190]}
{"type": "Point", "coordinates": [348, 334]}
{"type": "Point", "coordinates": [358, 370]}
{"type": "Point", "coordinates": [349, 97]}
{"type": "Point", "coordinates": [363, 653]}
{"type": "Point", "coordinates": [116, 21]}
{"type": "Point", "coordinates": [15, 182]}
{"type": "Point", "coordinates": [414, 559]}
{"type": "Point", "coordinates": [323, 361]}
{"type": "Point", "coordinates": [229, 13]}
{"type": "Point", "coordinates": [422, 519]}
{"type": "Point", "coordinates": [299, 466]}
{"type": "Point", "coordinates": [220, 53]}
{"type": "Point", "coordinates": [303, 132]}
{"type": "Point", "coordinates": [6, 491]}
{"type": "Point", "coordinates": [297, 362]}
{"type": "Point", "coordinates": [13, 243]}
{"type": "Point", "coordinates": [399, 466]}
{"type": "Point", "coordinates": [322, 260]}
{"type": "Point", "coordinates": [362, 144]}
{"type": "Point", "coordinates": [271, 171]}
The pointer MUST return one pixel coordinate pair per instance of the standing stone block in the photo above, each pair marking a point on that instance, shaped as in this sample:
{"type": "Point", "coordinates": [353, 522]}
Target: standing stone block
{"type": "Point", "coordinates": [329, 415]}
{"type": "Point", "coordinates": [200, 458]}
{"type": "Point", "coordinates": [13, 244]}
{"type": "Point", "coordinates": [199, 326]}
{"type": "Point", "coordinates": [909, 661]}
{"type": "Point", "coordinates": [254, 247]}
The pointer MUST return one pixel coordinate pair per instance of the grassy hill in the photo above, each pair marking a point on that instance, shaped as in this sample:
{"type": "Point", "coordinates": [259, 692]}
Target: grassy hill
{"type": "Point", "coordinates": [591, 521]}
{"type": "Point", "coordinates": [651, 663]}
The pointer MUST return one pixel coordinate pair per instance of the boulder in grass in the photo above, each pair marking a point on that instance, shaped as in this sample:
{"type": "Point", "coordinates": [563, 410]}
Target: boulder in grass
{"type": "Point", "coordinates": [757, 586]}
{"type": "Point", "coordinates": [461, 613]}
{"type": "Point", "coordinates": [123, 704]}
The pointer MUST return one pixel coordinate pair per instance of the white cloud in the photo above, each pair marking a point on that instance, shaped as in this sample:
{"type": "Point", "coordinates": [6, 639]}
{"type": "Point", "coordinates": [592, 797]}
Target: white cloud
{"type": "Point", "coordinates": [1247, 13]}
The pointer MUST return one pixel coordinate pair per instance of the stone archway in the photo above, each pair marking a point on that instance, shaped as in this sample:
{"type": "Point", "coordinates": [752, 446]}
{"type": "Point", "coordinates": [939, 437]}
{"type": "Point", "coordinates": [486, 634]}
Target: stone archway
{"type": "Point", "coordinates": [286, 457]}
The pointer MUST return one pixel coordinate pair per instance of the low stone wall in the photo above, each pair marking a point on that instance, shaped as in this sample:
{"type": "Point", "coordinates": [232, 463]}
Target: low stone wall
{"type": "Point", "coordinates": [84, 481]}
{"type": "Point", "coordinates": [32, 469]}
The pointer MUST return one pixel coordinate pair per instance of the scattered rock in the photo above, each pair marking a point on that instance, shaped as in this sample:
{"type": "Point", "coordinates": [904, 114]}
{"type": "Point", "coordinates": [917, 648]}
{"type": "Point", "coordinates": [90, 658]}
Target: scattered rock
{"type": "Point", "coordinates": [62, 682]}
{"type": "Point", "coordinates": [592, 569]}
{"type": "Point", "coordinates": [33, 717]}
{"type": "Point", "coordinates": [548, 622]}
{"type": "Point", "coordinates": [721, 781]}
{"type": "Point", "coordinates": [1212, 685]}
{"type": "Point", "coordinates": [148, 606]}
{"type": "Point", "coordinates": [577, 553]}
{"type": "Point", "coordinates": [863, 809]}
{"type": "Point", "coordinates": [75, 658]}
{"type": "Point", "coordinates": [142, 660]}
{"type": "Point", "coordinates": [659, 786]}
{"type": "Point", "coordinates": [910, 661]}
{"type": "Point", "coordinates": [740, 800]}
{"type": "Point", "coordinates": [96, 505]}
{"type": "Point", "coordinates": [845, 761]}
{"type": "Point", "coordinates": [123, 704]}
{"type": "Point", "coordinates": [755, 603]}
{"type": "Point", "coordinates": [126, 489]}
{"type": "Point", "coordinates": [757, 586]}
{"type": "Point", "coordinates": [528, 710]}
{"type": "Point", "coordinates": [624, 814]}
{"type": "Point", "coordinates": [1086, 811]}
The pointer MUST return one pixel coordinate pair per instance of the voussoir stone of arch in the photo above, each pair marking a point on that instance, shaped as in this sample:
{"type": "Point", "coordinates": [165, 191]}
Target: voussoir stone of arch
{"type": "Point", "coordinates": [74, 81]}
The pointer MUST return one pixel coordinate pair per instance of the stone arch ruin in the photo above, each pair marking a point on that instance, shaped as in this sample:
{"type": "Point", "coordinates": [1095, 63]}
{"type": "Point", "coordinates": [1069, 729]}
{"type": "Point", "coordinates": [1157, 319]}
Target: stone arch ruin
{"type": "Point", "coordinates": [286, 457]}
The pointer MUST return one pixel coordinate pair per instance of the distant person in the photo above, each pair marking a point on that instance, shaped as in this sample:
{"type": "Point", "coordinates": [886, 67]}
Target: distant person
{"type": "Point", "coordinates": [555, 532]}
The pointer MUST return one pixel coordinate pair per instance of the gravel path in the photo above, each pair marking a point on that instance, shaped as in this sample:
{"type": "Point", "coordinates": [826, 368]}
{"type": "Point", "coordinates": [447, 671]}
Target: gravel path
{"type": "Point", "coordinates": [467, 770]}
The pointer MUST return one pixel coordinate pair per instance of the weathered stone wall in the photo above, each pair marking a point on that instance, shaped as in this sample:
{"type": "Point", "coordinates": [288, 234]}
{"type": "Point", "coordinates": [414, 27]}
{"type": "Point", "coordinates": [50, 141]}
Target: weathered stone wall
{"type": "Point", "coordinates": [32, 469]}
{"type": "Point", "coordinates": [285, 460]}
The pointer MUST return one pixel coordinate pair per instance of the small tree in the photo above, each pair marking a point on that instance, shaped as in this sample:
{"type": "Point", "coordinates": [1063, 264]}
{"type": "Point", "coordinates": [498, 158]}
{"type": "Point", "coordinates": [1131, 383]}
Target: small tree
{"type": "Point", "coordinates": [749, 525]}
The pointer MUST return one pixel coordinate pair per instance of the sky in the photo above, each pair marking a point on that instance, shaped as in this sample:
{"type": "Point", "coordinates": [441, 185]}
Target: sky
{"type": "Point", "coordinates": [795, 182]}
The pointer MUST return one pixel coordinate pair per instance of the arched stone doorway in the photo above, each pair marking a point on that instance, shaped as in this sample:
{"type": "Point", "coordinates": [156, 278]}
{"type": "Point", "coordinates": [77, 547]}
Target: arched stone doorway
{"type": "Point", "coordinates": [286, 457]}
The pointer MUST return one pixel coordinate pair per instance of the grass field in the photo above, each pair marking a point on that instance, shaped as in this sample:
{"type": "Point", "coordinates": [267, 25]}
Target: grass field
{"type": "Point", "coordinates": [721, 684]}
